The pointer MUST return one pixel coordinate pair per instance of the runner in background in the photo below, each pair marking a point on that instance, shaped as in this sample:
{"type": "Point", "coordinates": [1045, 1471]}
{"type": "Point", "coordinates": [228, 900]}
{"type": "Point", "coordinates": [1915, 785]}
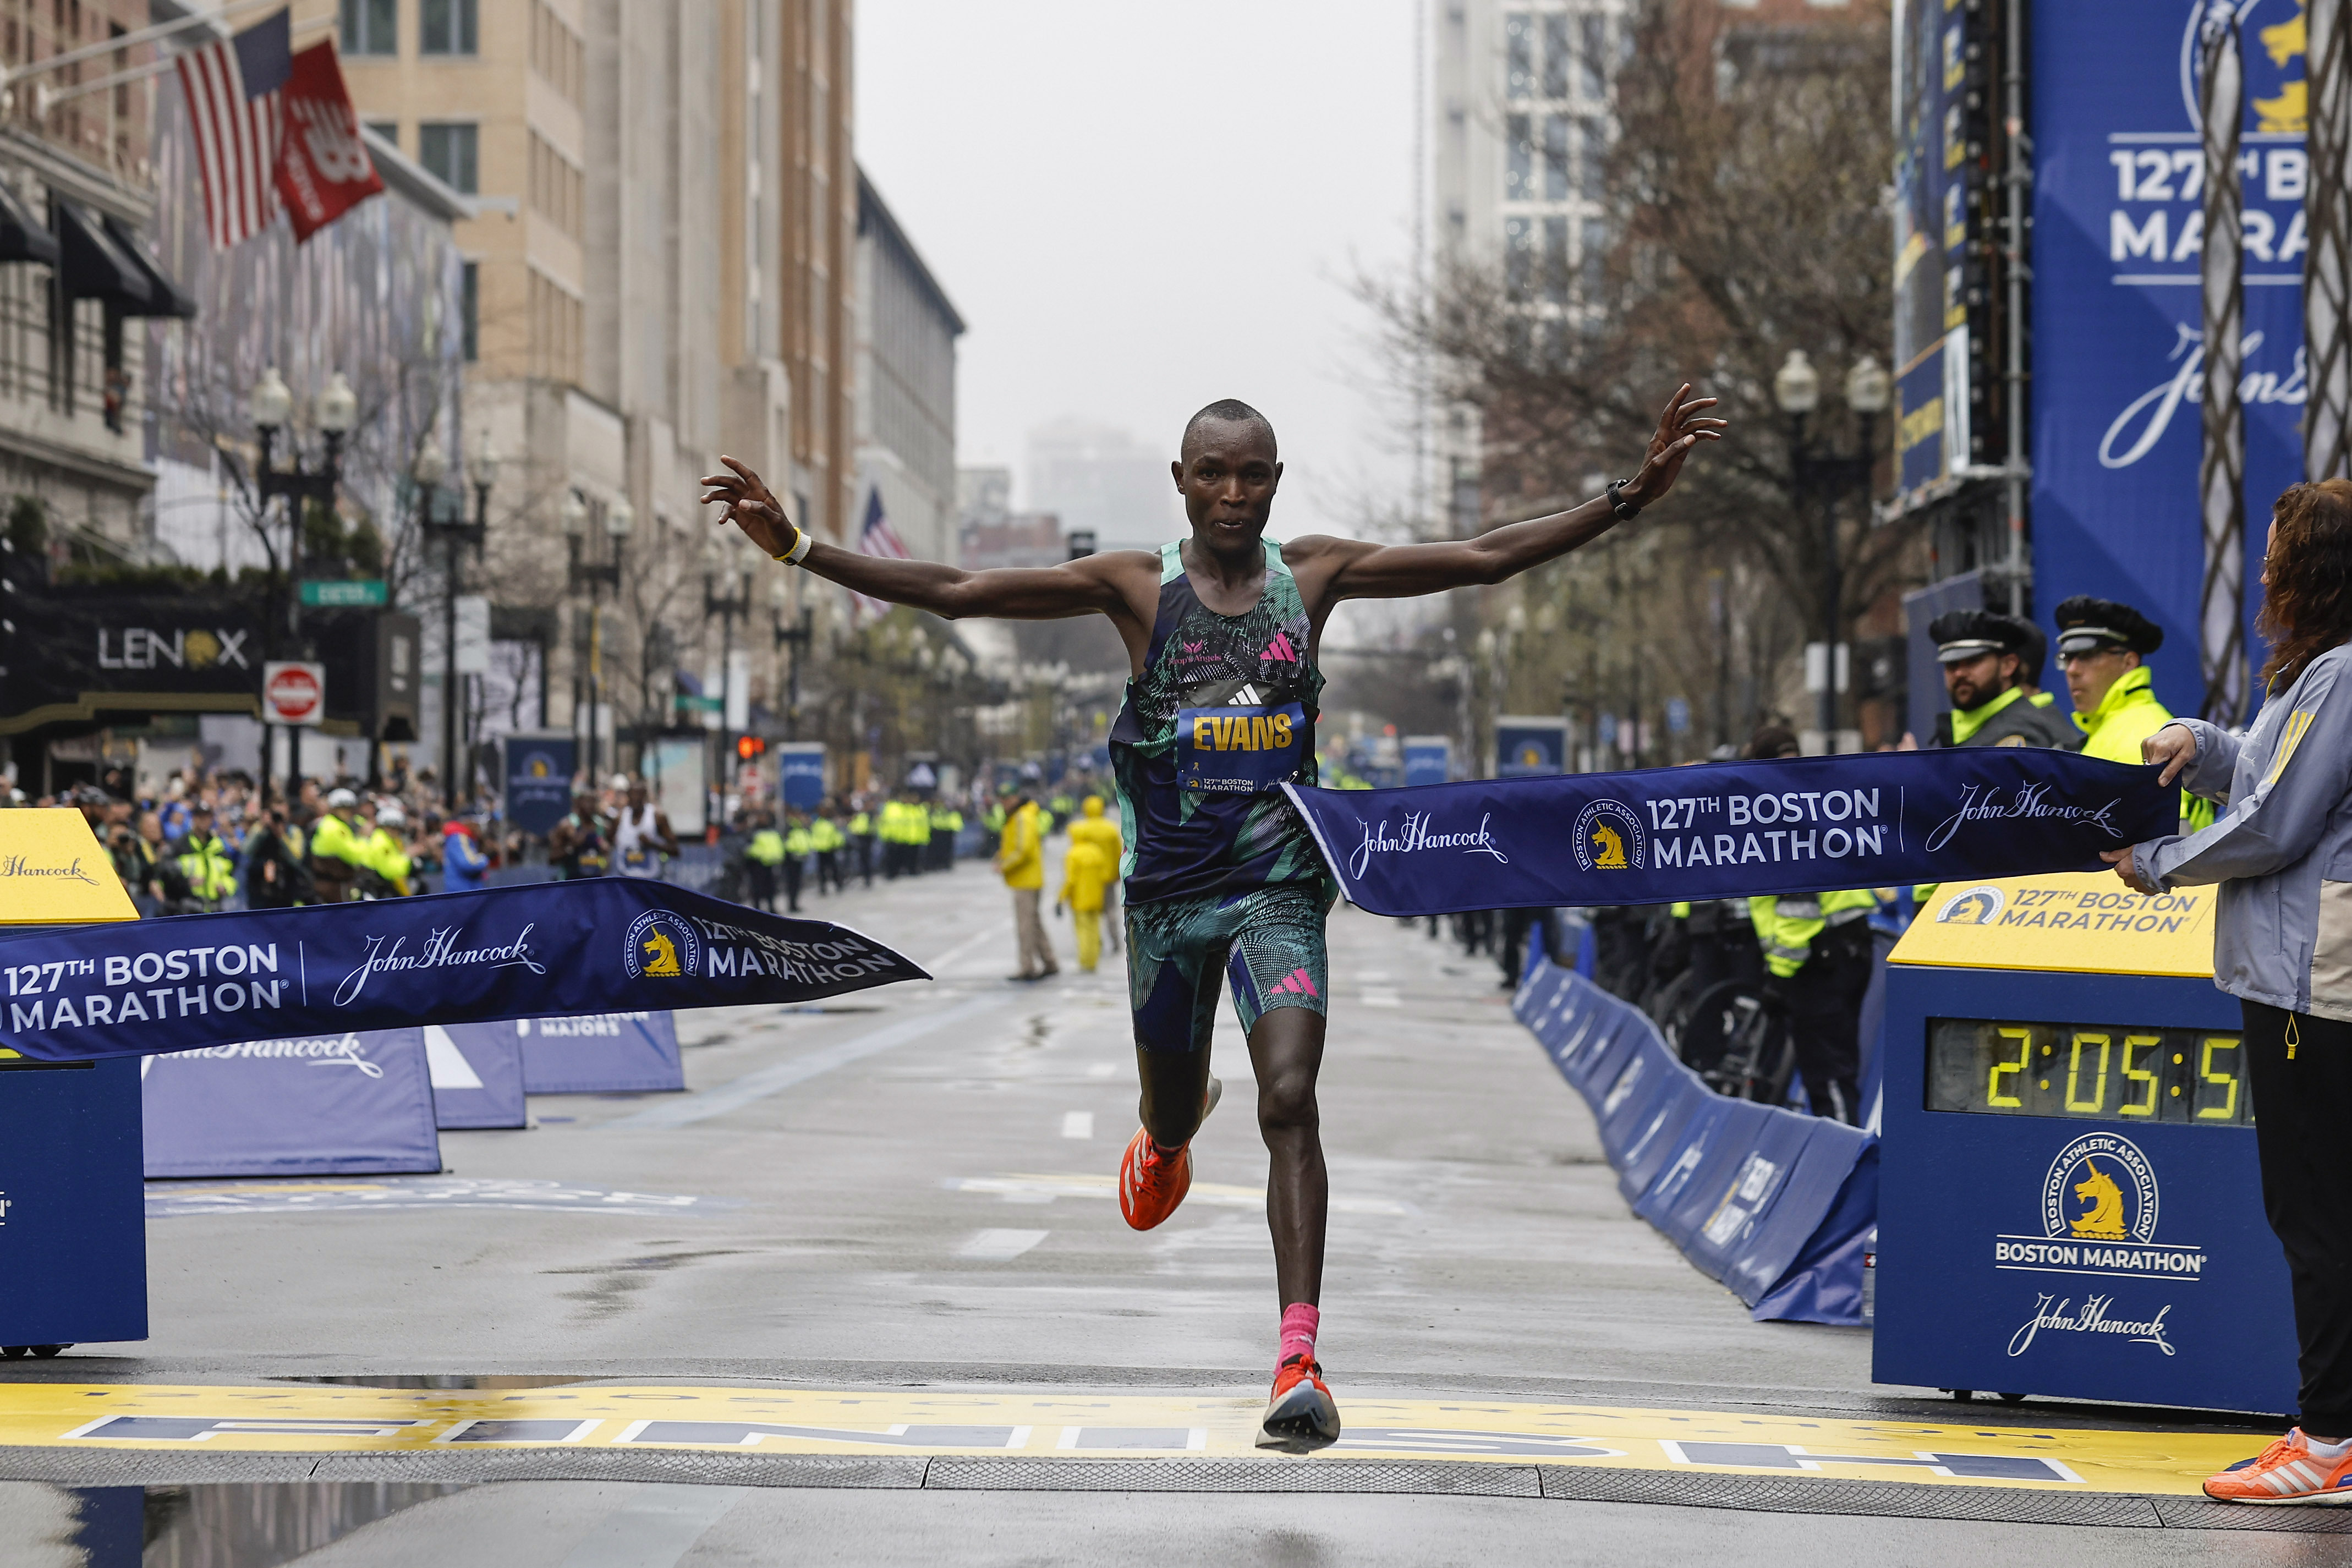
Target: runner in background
{"type": "Point", "coordinates": [641, 834]}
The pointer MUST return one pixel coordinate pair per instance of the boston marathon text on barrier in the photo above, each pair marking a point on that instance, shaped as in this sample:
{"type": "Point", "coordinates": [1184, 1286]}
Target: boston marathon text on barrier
{"type": "Point", "coordinates": [1730, 829]}
{"type": "Point", "coordinates": [609, 945]}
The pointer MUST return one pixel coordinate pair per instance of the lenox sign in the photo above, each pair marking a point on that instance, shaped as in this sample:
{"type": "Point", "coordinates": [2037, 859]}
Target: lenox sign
{"type": "Point", "coordinates": [194, 647]}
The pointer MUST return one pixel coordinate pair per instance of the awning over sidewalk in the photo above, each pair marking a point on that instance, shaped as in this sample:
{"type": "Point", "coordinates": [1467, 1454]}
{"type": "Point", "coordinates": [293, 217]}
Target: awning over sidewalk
{"type": "Point", "coordinates": [102, 258]}
{"type": "Point", "coordinates": [21, 238]}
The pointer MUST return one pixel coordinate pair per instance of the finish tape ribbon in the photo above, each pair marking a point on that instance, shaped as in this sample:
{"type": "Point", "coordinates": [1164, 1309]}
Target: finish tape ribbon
{"type": "Point", "coordinates": [605, 944]}
{"type": "Point", "coordinates": [1727, 830]}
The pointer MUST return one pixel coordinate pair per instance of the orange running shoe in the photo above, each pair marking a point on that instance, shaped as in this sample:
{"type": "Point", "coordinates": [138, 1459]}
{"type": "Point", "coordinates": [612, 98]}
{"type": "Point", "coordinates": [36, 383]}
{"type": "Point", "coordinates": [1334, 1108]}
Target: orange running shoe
{"type": "Point", "coordinates": [1152, 1183]}
{"type": "Point", "coordinates": [1301, 1416]}
{"type": "Point", "coordinates": [2286, 1471]}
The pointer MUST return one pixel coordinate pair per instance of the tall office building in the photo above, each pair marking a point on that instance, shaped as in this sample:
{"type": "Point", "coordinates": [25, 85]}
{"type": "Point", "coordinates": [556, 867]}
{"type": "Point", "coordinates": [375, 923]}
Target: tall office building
{"type": "Point", "coordinates": [906, 331]}
{"type": "Point", "coordinates": [661, 270]}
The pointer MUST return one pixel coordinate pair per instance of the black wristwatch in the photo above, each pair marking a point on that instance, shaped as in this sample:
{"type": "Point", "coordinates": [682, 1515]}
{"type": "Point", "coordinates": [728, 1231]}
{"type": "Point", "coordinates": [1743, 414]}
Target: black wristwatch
{"type": "Point", "coordinates": [1626, 510]}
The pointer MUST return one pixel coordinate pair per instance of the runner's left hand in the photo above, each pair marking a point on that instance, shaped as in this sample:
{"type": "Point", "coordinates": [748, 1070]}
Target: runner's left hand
{"type": "Point", "coordinates": [1680, 428]}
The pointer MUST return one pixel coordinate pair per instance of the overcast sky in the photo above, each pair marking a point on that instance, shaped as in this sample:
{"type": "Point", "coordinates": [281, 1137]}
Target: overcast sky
{"type": "Point", "coordinates": [1140, 207]}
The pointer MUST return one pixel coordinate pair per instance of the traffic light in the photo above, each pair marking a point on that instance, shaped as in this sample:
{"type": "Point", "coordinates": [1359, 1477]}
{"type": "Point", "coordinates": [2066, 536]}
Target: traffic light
{"type": "Point", "coordinates": [748, 746]}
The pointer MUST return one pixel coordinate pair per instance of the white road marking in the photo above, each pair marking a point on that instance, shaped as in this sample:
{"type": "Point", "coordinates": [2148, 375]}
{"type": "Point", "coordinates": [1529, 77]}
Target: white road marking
{"type": "Point", "coordinates": [768, 1080]}
{"type": "Point", "coordinates": [1100, 1069]}
{"type": "Point", "coordinates": [1014, 1189]}
{"type": "Point", "coordinates": [1000, 1245]}
{"type": "Point", "coordinates": [1077, 1124]}
{"type": "Point", "coordinates": [1381, 999]}
{"type": "Point", "coordinates": [993, 933]}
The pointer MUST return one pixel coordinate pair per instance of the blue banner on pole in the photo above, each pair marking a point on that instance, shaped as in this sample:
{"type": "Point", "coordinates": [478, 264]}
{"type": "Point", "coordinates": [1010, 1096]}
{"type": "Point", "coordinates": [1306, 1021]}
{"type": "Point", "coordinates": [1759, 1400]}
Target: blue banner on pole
{"type": "Point", "coordinates": [1732, 829]}
{"type": "Point", "coordinates": [601, 1053]}
{"type": "Point", "coordinates": [606, 943]}
{"type": "Point", "coordinates": [539, 780]}
{"type": "Point", "coordinates": [2118, 314]}
{"type": "Point", "coordinates": [340, 1104]}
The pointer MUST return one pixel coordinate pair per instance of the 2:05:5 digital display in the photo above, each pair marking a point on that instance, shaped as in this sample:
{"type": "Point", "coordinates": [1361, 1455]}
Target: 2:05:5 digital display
{"type": "Point", "coordinates": [2088, 1072]}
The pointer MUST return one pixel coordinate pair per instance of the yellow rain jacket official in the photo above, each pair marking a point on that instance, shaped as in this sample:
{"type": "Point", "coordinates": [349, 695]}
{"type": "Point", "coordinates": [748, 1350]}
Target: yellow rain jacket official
{"type": "Point", "coordinates": [331, 839]}
{"type": "Point", "coordinates": [1093, 828]}
{"type": "Point", "coordinates": [1787, 924]}
{"type": "Point", "coordinates": [823, 835]}
{"type": "Point", "coordinates": [1084, 873]}
{"type": "Point", "coordinates": [2129, 714]}
{"type": "Point", "coordinates": [767, 848]}
{"type": "Point", "coordinates": [1020, 854]}
{"type": "Point", "coordinates": [208, 865]}
{"type": "Point", "coordinates": [383, 854]}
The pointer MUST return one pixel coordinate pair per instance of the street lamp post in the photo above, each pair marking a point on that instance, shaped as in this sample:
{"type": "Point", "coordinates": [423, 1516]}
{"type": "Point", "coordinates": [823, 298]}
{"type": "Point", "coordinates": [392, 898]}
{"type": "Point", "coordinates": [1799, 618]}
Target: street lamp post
{"type": "Point", "coordinates": [270, 405]}
{"type": "Point", "coordinates": [619, 518]}
{"type": "Point", "coordinates": [801, 638]}
{"type": "Point", "coordinates": [723, 563]}
{"type": "Point", "coordinates": [1817, 469]}
{"type": "Point", "coordinates": [439, 513]}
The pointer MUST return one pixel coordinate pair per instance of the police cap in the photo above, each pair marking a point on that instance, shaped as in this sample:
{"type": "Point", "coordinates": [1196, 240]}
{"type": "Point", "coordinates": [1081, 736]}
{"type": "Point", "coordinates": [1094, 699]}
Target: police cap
{"type": "Point", "coordinates": [1963, 634]}
{"type": "Point", "coordinates": [2086, 623]}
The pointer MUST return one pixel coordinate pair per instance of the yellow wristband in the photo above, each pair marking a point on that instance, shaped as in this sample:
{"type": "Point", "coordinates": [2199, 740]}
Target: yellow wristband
{"type": "Point", "coordinates": [799, 552]}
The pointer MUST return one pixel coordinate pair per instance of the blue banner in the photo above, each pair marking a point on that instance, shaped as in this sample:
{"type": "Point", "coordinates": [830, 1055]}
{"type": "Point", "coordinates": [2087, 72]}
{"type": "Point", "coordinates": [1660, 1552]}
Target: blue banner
{"type": "Point", "coordinates": [2118, 338]}
{"type": "Point", "coordinates": [606, 943]}
{"type": "Point", "coordinates": [1527, 746]}
{"type": "Point", "coordinates": [477, 1076]}
{"type": "Point", "coordinates": [1726, 830]}
{"type": "Point", "coordinates": [539, 780]}
{"type": "Point", "coordinates": [340, 1104]}
{"type": "Point", "coordinates": [601, 1053]}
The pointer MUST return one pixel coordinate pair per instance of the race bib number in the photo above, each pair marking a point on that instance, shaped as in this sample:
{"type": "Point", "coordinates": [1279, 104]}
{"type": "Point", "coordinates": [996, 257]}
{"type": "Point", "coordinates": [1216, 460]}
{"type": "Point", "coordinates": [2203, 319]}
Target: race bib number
{"type": "Point", "coordinates": [1239, 751]}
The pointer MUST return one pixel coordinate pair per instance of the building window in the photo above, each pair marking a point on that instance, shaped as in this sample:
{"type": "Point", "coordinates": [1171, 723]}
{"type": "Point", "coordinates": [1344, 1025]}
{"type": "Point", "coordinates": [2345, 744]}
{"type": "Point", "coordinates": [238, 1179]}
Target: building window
{"type": "Point", "coordinates": [371, 26]}
{"type": "Point", "coordinates": [1594, 57]}
{"type": "Point", "coordinates": [1557, 57]}
{"type": "Point", "coordinates": [1594, 162]}
{"type": "Point", "coordinates": [1556, 157]}
{"type": "Point", "coordinates": [470, 311]}
{"type": "Point", "coordinates": [1518, 255]}
{"type": "Point", "coordinates": [1519, 55]}
{"type": "Point", "coordinates": [1596, 251]}
{"type": "Point", "coordinates": [558, 191]}
{"type": "Point", "coordinates": [1555, 260]}
{"type": "Point", "coordinates": [447, 27]}
{"type": "Point", "coordinates": [1519, 175]}
{"type": "Point", "coordinates": [387, 129]}
{"type": "Point", "coordinates": [447, 151]}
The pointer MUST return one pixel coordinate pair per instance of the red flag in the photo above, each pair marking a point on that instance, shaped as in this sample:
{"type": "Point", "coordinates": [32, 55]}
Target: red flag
{"type": "Point", "coordinates": [323, 168]}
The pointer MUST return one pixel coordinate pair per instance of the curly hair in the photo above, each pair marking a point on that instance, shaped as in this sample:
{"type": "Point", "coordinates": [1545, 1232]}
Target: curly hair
{"type": "Point", "coordinates": [2306, 578]}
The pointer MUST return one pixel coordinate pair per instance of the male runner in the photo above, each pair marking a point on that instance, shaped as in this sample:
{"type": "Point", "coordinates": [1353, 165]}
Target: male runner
{"type": "Point", "coordinates": [1222, 877]}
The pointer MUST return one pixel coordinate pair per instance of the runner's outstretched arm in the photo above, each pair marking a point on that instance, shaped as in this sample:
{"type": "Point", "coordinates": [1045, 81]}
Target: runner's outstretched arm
{"type": "Point", "coordinates": [1362, 570]}
{"type": "Point", "coordinates": [1079, 588]}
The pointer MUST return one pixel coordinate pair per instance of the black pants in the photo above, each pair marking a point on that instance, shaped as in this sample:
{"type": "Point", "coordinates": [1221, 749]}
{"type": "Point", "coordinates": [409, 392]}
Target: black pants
{"type": "Point", "coordinates": [828, 871]}
{"type": "Point", "coordinates": [762, 878]}
{"type": "Point", "coordinates": [2301, 1106]}
{"type": "Point", "coordinates": [1824, 1001]}
{"type": "Point", "coordinates": [792, 870]}
{"type": "Point", "coordinates": [866, 858]}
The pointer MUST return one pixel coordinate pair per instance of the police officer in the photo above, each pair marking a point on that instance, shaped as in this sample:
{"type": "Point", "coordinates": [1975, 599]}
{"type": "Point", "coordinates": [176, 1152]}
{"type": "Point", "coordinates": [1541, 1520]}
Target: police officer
{"type": "Point", "coordinates": [1984, 670]}
{"type": "Point", "coordinates": [764, 856]}
{"type": "Point", "coordinates": [861, 840]}
{"type": "Point", "coordinates": [826, 839]}
{"type": "Point", "coordinates": [335, 855]}
{"type": "Point", "coordinates": [1817, 957]}
{"type": "Point", "coordinates": [206, 862]}
{"type": "Point", "coordinates": [946, 822]}
{"type": "Point", "coordinates": [798, 847]}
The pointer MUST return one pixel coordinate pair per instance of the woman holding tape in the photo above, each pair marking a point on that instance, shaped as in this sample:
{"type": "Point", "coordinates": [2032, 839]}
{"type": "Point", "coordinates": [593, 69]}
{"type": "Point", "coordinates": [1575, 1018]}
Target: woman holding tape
{"type": "Point", "coordinates": [2283, 945]}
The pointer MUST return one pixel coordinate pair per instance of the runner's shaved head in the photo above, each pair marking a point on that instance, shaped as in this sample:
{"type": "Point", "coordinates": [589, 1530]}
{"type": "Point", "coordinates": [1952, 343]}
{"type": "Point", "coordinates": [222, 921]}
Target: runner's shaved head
{"type": "Point", "coordinates": [1225, 411]}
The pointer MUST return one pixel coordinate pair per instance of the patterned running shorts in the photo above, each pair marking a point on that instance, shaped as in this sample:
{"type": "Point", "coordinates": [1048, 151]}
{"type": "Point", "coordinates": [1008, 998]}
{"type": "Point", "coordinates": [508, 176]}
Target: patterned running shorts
{"type": "Point", "coordinates": [1269, 941]}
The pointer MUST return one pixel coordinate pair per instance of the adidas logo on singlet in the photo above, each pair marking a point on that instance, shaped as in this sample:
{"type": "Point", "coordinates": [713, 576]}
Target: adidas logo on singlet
{"type": "Point", "coordinates": [1246, 697]}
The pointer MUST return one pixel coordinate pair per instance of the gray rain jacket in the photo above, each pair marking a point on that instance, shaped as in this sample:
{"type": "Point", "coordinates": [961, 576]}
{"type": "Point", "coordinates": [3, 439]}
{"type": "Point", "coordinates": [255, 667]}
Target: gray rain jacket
{"type": "Point", "coordinates": [2283, 852]}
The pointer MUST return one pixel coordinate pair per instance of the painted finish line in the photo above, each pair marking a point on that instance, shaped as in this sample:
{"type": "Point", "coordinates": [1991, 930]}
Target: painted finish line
{"type": "Point", "coordinates": [797, 1421]}
{"type": "Point", "coordinates": [172, 1199]}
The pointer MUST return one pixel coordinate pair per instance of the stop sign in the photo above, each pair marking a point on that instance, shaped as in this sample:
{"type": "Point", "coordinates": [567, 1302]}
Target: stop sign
{"type": "Point", "coordinates": [293, 693]}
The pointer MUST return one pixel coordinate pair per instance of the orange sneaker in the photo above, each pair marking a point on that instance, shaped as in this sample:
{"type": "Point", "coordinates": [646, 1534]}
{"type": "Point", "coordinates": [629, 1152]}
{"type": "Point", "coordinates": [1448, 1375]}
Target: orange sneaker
{"type": "Point", "coordinates": [1301, 1416]}
{"type": "Point", "coordinates": [2286, 1471]}
{"type": "Point", "coordinates": [1152, 1183]}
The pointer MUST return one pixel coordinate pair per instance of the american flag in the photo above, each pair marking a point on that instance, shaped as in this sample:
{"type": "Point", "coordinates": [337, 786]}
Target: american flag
{"type": "Point", "coordinates": [237, 111]}
{"type": "Point", "coordinates": [879, 538]}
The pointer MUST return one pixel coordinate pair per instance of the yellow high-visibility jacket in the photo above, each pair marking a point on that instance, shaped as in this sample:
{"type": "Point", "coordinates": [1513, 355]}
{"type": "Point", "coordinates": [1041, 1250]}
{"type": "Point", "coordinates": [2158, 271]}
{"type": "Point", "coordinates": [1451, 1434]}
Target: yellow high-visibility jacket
{"type": "Point", "coordinates": [1787, 924]}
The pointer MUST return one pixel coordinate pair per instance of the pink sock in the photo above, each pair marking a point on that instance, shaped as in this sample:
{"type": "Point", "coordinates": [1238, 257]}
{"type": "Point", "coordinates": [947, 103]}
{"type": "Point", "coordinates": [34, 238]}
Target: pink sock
{"type": "Point", "coordinates": [1299, 1322]}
